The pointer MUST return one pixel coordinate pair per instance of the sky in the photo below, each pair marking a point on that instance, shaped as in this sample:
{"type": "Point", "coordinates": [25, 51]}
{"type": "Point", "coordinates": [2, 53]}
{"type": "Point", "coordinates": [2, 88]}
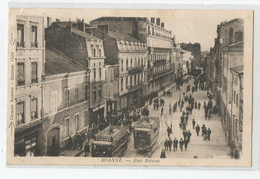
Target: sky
{"type": "Point", "coordinates": [187, 25]}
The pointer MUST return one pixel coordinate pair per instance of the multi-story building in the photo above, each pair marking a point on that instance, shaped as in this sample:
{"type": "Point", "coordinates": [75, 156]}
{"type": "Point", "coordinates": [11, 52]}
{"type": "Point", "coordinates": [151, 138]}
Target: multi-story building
{"type": "Point", "coordinates": [28, 92]}
{"type": "Point", "coordinates": [225, 73]}
{"type": "Point", "coordinates": [131, 55]}
{"type": "Point", "coordinates": [237, 106]}
{"type": "Point", "coordinates": [158, 40]}
{"type": "Point", "coordinates": [65, 101]}
{"type": "Point", "coordinates": [112, 89]}
{"type": "Point", "coordinates": [187, 58]}
{"type": "Point", "coordinates": [72, 40]}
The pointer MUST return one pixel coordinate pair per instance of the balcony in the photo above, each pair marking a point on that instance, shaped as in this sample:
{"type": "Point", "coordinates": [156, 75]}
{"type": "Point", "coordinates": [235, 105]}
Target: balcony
{"type": "Point", "coordinates": [34, 44]}
{"type": "Point", "coordinates": [135, 70]}
{"type": "Point", "coordinates": [20, 44]}
{"type": "Point", "coordinates": [135, 87]}
{"type": "Point", "coordinates": [159, 62]}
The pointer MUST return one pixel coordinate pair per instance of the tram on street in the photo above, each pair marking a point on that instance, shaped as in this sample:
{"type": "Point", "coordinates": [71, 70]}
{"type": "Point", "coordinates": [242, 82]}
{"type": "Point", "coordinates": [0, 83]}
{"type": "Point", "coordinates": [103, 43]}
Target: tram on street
{"type": "Point", "coordinates": [110, 142]}
{"type": "Point", "coordinates": [146, 132]}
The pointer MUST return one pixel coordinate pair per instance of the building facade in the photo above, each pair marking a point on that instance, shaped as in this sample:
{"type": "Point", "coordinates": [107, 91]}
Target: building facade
{"type": "Point", "coordinates": [28, 92]}
{"type": "Point", "coordinates": [159, 45]}
{"type": "Point", "coordinates": [72, 40]}
{"type": "Point", "coordinates": [65, 102]}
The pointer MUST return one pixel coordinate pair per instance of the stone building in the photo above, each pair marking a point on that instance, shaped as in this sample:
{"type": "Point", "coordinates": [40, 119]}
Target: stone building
{"type": "Point", "coordinates": [71, 39]}
{"type": "Point", "coordinates": [65, 101]}
{"type": "Point", "coordinates": [28, 91]}
{"type": "Point", "coordinates": [159, 45]}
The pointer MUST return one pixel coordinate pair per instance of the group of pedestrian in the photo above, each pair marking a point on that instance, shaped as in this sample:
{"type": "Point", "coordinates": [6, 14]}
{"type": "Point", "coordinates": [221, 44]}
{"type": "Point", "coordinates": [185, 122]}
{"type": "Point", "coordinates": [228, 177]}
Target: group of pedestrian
{"type": "Point", "coordinates": [77, 141]}
{"type": "Point", "coordinates": [205, 133]}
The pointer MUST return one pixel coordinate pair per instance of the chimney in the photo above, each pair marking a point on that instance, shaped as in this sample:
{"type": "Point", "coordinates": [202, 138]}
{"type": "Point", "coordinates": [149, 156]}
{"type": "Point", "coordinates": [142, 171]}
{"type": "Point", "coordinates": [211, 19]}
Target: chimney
{"type": "Point", "coordinates": [48, 21]}
{"type": "Point", "coordinates": [162, 24]}
{"type": "Point", "coordinates": [103, 28]}
{"type": "Point", "coordinates": [81, 25]}
{"type": "Point", "coordinates": [152, 19]}
{"type": "Point", "coordinates": [158, 21]}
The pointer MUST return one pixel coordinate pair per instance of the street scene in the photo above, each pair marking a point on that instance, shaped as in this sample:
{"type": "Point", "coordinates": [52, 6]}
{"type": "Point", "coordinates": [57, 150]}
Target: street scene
{"type": "Point", "coordinates": [127, 87]}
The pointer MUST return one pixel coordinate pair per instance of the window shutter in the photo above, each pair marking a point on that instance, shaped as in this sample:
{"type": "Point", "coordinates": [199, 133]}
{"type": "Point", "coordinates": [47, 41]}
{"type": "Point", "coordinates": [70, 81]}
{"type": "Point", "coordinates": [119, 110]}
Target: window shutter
{"type": "Point", "coordinates": [34, 70]}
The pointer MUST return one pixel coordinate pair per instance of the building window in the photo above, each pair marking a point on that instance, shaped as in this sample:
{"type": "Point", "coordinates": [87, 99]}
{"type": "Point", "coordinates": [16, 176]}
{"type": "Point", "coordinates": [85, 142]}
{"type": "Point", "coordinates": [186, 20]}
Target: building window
{"type": "Point", "coordinates": [20, 35]}
{"type": "Point", "coordinates": [76, 94]}
{"type": "Point", "coordinates": [116, 73]}
{"type": "Point", "coordinates": [131, 78]}
{"type": "Point", "coordinates": [135, 80]}
{"type": "Point", "coordinates": [135, 62]}
{"type": "Point", "coordinates": [20, 119]}
{"type": "Point", "coordinates": [111, 74]}
{"type": "Point", "coordinates": [34, 42]}
{"type": "Point", "coordinates": [20, 74]}
{"type": "Point", "coordinates": [99, 92]}
{"type": "Point", "coordinates": [234, 97]}
{"type": "Point", "coordinates": [239, 36]}
{"type": "Point", "coordinates": [126, 64]}
{"type": "Point", "coordinates": [53, 102]}
{"type": "Point", "coordinates": [230, 35]}
{"type": "Point", "coordinates": [131, 63]}
{"type": "Point", "coordinates": [139, 62]}
{"type": "Point", "coordinates": [99, 52]}
{"type": "Point", "coordinates": [94, 96]}
{"type": "Point", "coordinates": [67, 98]}
{"type": "Point", "coordinates": [94, 52]}
{"type": "Point", "coordinates": [94, 73]}
{"type": "Point", "coordinates": [122, 65]}
{"type": "Point", "coordinates": [67, 127]}
{"type": "Point", "coordinates": [99, 71]}
{"type": "Point", "coordinates": [237, 101]}
{"type": "Point", "coordinates": [153, 31]}
{"type": "Point", "coordinates": [122, 80]}
{"type": "Point", "coordinates": [142, 62]}
{"type": "Point", "coordinates": [149, 30]}
{"type": "Point", "coordinates": [76, 122]}
{"type": "Point", "coordinates": [34, 72]}
{"type": "Point", "coordinates": [126, 82]}
{"type": "Point", "coordinates": [34, 107]}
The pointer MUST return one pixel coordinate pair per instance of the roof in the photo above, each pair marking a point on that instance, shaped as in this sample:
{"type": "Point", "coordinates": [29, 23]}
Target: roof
{"type": "Point", "coordinates": [146, 122]}
{"type": "Point", "coordinates": [124, 37]}
{"type": "Point", "coordinates": [57, 63]}
{"type": "Point", "coordinates": [238, 69]}
{"type": "Point", "coordinates": [111, 62]}
{"type": "Point", "coordinates": [119, 19]}
{"type": "Point", "coordinates": [68, 23]}
{"type": "Point", "coordinates": [83, 34]}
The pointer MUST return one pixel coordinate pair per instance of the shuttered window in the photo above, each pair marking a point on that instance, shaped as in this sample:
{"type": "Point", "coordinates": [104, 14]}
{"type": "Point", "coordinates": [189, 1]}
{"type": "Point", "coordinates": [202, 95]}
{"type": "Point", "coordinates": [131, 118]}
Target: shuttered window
{"type": "Point", "coordinates": [34, 106]}
{"type": "Point", "coordinates": [34, 72]}
{"type": "Point", "coordinates": [20, 119]}
{"type": "Point", "coordinates": [20, 74]}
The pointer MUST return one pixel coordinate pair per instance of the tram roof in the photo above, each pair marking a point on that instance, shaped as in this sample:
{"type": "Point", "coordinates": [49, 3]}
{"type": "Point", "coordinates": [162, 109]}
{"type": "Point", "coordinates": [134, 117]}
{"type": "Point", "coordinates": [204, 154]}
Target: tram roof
{"type": "Point", "coordinates": [142, 129]}
{"type": "Point", "coordinates": [147, 122]}
{"type": "Point", "coordinates": [101, 142]}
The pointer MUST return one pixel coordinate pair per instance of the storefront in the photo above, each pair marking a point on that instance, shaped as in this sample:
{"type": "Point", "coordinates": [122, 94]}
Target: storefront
{"type": "Point", "coordinates": [28, 140]}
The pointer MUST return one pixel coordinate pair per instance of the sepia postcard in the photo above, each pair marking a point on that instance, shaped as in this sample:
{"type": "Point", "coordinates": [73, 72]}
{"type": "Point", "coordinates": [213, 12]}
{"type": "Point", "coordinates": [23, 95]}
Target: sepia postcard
{"type": "Point", "coordinates": [130, 87]}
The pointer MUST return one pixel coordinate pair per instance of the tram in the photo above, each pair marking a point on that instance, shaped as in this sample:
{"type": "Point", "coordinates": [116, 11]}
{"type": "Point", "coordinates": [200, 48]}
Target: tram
{"type": "Point", "coordinates": [110, 142]}
{"type": "Point", "coordinates": [146, 132]}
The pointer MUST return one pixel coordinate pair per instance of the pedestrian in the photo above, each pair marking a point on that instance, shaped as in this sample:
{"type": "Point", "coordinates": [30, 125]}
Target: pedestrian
{"type": "Point", "coordinates": [189, 135]}
{"type": "Point", "coordinates": [184, 133]}
{"type": "Point", "coordinates": [204, 130]}
{"type": "Point", "coordinates": [175, 144]}
{"type": "Point", "coordinates": [163, 154]}
{"type": "Point", "coordinates": [205, 116]}
{"type": "Point", "coordinates": [170, 144]}
{"type": "Point", "coordinates": [196, 105]}
{"type": "Point", "coordinates": [208, 133]}
{"type": "Point", "coordinates": [199, 105]}
{"type": "Point", "coordinates": [181, 144]}
{"type": "Point", "coordinates": [169, 131]}
{"type": "Point", "coordinates": [162, 111]}
{"type": "Point", "coordinates": [170, 108]}
{"type": "Point", "coordinates": [166, 144]}
{"type": "Point", "coordinates": [197, 129]}
{"type": "Point", "coordinates": [193, 123]}
{"type": "Point", "coordinates": [86, 149]}
{"type": "Point", "coordinates": [186, 141]}
{"type": "Point", "coordinates": [180, 125]}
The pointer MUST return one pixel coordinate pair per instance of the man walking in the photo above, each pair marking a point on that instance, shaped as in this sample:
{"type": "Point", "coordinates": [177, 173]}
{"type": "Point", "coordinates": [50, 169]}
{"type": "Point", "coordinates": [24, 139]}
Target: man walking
{"type": "Point", "coordinates": [181, 144]}
{"type": "Point", "coordinates": [197, 129]}
{"type": "Point", "coordinates": [86, 149]}
{"type": "Point", "coordinates": [163, 154]}
{"type": "Point", "coordinates": [175, 144]}
{"type": "Point", "coordinates": [169, 131]}
{"type": "Point", "coordinates": [170, 144]}
{"type": "Point", "coordinates": [166, 144]}
{"type": "Point", "coordinates": [189, 135]}
{"type": "Point", "coordinates": [193, 123]}
{"type": "Point", "coordinates": [208, 133]}
{"type": "Point", "coordinates": [186, 141]}
{"type": "Point", "coordinates": [199, 105]}
{"type": "Point", "coordinates": [162, 111]}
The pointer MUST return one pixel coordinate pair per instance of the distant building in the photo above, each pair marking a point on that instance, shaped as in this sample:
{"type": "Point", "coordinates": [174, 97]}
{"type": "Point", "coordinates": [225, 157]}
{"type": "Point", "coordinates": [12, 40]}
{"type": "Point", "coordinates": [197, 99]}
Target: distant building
{"type": "Point", "coordinates": [28, 92]}
{"type": "Point", "coordinates": [66, 101]}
